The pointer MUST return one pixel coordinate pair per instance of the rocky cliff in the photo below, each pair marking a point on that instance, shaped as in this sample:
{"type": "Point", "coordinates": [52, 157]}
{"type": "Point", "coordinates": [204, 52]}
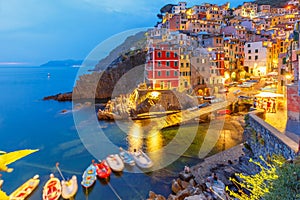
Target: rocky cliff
{"type": "Point", "coordinates": [100, 85]}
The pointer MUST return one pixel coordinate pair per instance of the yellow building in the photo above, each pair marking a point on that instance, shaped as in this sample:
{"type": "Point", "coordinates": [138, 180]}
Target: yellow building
{"type": "Point", "coordinates": [185, 71]}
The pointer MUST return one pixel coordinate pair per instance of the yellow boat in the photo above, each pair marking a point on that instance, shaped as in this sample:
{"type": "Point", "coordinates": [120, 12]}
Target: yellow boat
{"type": "Point", "coordinates": [26, 189]}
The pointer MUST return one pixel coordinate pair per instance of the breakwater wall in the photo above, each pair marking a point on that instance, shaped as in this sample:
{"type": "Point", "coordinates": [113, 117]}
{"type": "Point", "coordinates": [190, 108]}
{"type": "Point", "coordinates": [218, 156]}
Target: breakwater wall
{"type": "Point", "coordinates": [263, 139]}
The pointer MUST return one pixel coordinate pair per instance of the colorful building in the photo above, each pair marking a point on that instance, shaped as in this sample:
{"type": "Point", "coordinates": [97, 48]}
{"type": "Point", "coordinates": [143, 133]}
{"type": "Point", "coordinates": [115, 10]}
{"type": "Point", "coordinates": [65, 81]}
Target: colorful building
{"type": "Point", "coordinates": [162, 66]}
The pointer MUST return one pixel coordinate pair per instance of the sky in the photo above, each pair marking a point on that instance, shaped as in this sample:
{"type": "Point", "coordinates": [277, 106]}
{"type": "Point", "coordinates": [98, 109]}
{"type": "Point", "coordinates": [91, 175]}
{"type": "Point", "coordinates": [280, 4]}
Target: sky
{"type": "Point", "coordinates": [36, 31]}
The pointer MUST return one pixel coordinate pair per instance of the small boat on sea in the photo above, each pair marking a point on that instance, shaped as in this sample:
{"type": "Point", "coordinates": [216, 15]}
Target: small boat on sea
{"type": "Point", "coordinates": [52, 189]}
{"type": "Point", "coordinates": [115, 162]}
{"type": "Point", "coordinates": [26, 189]}
{"type": "Point", "coordinates": [142, 160]}
{"type": "Point", "coordinates": [89, 176]}
{"type": "Point", "coordinates": [69, 187]}
{"type": "Point", "coordinates": [102, 169]}
{"type": "Point", "coordinates": [126, 157]}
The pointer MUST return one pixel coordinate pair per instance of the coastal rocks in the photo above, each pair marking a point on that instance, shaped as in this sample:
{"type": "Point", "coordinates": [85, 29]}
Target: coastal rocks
{"type": "Point", "coordinates": [60, 97]}
{"type": "Point", "coordinates": [175, 186]}
{"type": "Point", "coordinates": [153, 196]}
{"type": "Point", "coordinates": [101, 85]}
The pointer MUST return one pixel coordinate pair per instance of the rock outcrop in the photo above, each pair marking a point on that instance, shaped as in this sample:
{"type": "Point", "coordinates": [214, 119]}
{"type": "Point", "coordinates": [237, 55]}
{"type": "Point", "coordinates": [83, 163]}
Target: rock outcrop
{"type": "Point", "coordinates": [60, 97]}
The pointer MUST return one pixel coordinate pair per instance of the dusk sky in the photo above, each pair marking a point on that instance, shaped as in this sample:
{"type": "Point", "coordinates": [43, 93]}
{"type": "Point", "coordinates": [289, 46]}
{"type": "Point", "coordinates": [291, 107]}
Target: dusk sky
{"type": "Point", "coordinates": [35, 31]}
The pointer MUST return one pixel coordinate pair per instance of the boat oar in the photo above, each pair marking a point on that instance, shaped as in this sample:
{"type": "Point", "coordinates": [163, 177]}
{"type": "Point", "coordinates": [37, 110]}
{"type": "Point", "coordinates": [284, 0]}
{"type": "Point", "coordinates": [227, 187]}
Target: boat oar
{"type": "Point", "coordinates": [60, 171]}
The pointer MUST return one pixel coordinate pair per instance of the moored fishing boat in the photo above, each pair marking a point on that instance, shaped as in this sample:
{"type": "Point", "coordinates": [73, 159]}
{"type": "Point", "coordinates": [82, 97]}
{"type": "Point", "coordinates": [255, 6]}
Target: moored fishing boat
{"type": "Point", "coordinates": [102, 169]}
{"type": "Point", "coordinates": [52, 189]}
{"type": "Point", "coordinates": [115, 162]}
{"type": "Point", "coordinates": [126, 157]}
{"type": "Point", "coordinates": [142, 159]}
{"type": "Point", "coordinates": [26, 189]}
{"type": "Point", "coordinates": [69, 187]}
{"type": "Point", "coordinates": [89, 176]}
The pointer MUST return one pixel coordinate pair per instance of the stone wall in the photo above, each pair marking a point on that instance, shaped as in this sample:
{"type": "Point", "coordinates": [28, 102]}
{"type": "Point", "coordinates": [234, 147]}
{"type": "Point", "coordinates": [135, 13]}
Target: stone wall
{"type": "Point", "coordinates": [263, 139]}
{"type": "Point", "coordinates": [293, 102]}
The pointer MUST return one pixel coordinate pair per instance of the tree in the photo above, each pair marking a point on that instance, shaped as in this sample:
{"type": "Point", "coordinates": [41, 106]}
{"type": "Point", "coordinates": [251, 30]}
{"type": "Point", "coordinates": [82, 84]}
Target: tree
{"type": "Point", "coordinates": [280, 180]}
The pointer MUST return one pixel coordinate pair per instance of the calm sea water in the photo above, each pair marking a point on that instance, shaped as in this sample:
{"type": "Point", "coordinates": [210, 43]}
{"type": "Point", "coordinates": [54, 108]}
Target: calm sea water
{"type": "Point", "coordinates": [26, 121]}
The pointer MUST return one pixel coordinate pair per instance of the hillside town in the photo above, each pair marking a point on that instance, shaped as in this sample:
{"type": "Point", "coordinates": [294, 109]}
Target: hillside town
{"type": "Point", "coordinates": [205, 47]}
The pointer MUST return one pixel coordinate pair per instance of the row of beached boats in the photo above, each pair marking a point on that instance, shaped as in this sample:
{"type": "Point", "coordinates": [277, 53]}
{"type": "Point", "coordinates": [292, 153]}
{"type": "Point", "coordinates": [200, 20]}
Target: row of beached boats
{"type": "Point", "coordinates": [116, 163]}
{"type": "Point", "coordinates": [54, 188]}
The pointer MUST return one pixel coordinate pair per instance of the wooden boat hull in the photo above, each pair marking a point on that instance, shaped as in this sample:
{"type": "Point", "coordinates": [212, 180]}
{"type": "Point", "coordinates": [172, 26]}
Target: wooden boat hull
{"type": "Point", "coordinates": [69, 187]}
{"type": "Point", "coordinates": [52, 189]}
{"type": "Point", "coordinates": [89, 176]}
{"type": "Point", "coordinates": [142, 160]}
{"type": "Point", "coordinates": [103, 170]}
{"type": "Point", "coordinates": [115, 162]}
{"type": "Point", "coordinates": [127, 157]}
{"type": "Point", "coordinates": [26, 189]}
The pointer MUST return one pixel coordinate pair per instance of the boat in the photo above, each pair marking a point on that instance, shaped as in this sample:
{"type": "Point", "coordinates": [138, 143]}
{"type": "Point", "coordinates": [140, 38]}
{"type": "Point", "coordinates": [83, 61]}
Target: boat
{"type": "Point", "coordinates": [26, 189]}
{"type": "Point", "coordinates": [69, 187]}
{"type": "Point", "coordinates": [89, 176]}
{"type": "Point", "coordinates": [126, 157]}
{"type": "Point", "coordinates": [115, 162]}
{"type": "Point", "coordinates": [102, 169]}
{"type": "Point", "coordinates": [142, 160]}
{"type": "Point", "coordinates": [52, 189]}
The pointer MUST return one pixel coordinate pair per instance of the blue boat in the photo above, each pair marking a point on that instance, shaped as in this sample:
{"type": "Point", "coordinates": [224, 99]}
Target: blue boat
{"type": "Point", "coordinates": [127, 157]}
{"type": "Point", "coordinates": [89, 176]}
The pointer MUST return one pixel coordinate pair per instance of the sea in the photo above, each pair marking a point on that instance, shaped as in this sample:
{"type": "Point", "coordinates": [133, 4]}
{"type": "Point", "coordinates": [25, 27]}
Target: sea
{"type": "Point", "coordinates": [29, 122]}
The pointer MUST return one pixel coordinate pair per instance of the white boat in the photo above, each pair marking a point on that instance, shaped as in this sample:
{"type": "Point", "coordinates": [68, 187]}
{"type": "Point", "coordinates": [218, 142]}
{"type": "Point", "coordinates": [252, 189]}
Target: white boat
{"type": "Point", "coordinates": [69, 187]}
{"type": "Point", "coordinates": [115, 162]}
{"type": "Point", "coordinates": [126, 157]}
{"type": "Point", "coordinates": [142, 160]}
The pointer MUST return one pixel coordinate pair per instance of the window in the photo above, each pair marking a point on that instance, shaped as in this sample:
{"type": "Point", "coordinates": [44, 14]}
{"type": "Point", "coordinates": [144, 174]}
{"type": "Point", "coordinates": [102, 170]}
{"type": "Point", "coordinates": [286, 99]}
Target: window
{"type": "Point", "coordinates": [249, 57]}
{"type": "Point", "coordinates": [175, 64]}
{"type": "Point", "coordinates": [159, 54]}
{"type": "Point", "coordinates": [249, 51]}
{"type": "Point", "coordinates": [181, 64]}
{"type": "Point", "coordinates": [158, 63]}
{"type": "Point", "coordinates": [198, 60]}
{"type": "Point", "coordinates": [187, 64]}
{"type": "Point", "coordinates": [167, 73]}
{"type": "Point", "coordinates": [159, 73]}
{"type": "Point", "coordinates": [256, 57]}
{"type": "Point", "coordinates": [249, 45]}
{"type": "Point", "coordinates": [175, 55]}
{"type": "Point", "coordinates": [256, 50]}
{"type": "Point", "coordinates": [168, 54]}
{"type": "Point", "coordinates": [168, 64]}
{"type": "Point", "coordinates": [175, 73]}
{"type": "Point", "coordinates": [203, 60]}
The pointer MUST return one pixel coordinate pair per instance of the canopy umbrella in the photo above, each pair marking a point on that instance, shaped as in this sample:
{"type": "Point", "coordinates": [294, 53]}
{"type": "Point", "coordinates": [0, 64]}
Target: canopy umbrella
{"type": "Point", "coordinates": [268, 94]}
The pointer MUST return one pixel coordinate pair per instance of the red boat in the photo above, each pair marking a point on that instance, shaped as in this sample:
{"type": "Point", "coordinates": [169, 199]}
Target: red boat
{"type": "Point", "coordinates": [102, 169]}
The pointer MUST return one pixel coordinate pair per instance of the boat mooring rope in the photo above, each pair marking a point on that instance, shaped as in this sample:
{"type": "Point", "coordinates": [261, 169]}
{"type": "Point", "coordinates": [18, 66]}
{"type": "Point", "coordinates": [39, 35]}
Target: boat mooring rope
{"type": "Point", "coordinates": [114, 191]}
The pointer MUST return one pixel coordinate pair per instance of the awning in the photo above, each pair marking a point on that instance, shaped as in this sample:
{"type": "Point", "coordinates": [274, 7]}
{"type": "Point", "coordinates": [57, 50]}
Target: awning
{"type": "Point", "coordinates": [269, 94]}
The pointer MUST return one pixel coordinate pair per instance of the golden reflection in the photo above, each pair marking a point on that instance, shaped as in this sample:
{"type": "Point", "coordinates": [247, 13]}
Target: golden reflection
{"type": "Point", "coordinates": [135, 137]}
{"type": "Point", "coordinates": [154, 142]}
